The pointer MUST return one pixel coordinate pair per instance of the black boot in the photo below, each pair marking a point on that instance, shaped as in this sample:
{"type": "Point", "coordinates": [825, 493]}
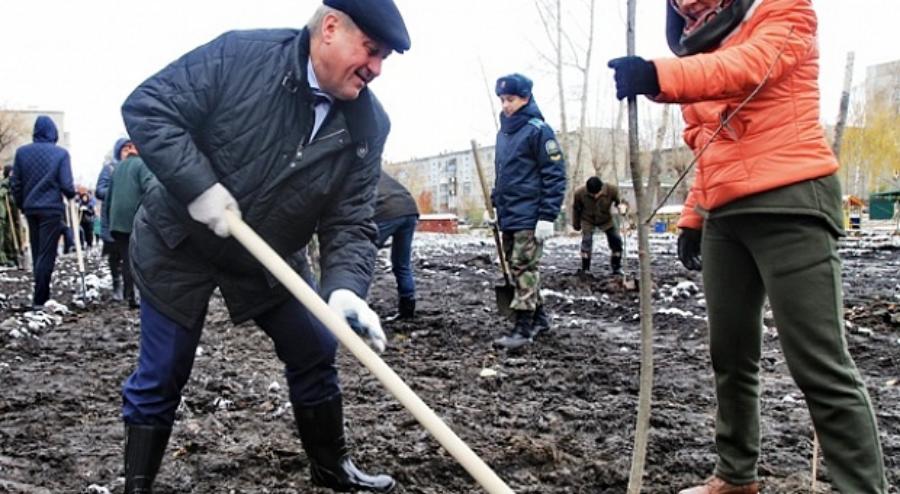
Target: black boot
{"type": "Point", "coordinates": [322, 433]}
{"type": "Point", "coordinates": [585, 264]}
{"type": "Point", "coordinates": [144, 448]}
{"type": "Point", "coordinates": [615, 263]}
{"type": "Point", "coordinates": [406, 309]}
{"type": "Point", "coordinates": [522, 332]}
{"type": "Point", "coordinates": [118, 294]}
{"type": "Point", "coordinates": [540, 321]}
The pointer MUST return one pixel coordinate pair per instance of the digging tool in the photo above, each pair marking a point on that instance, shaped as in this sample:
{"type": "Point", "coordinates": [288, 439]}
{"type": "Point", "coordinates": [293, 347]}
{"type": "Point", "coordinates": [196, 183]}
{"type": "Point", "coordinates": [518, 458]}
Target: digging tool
{"type": "Point", "coordinates": [26, 243]}
{"type": "Point", "coordinates": [15, 235]}
{"type": "Point", "coordinates": [503, 293]}
{"type": "Point", "coordinates": [73, 216]}
{"type": "Point", "coordinates": [476, 467]}
{"type": "Point", "coordinates": [628, 284]}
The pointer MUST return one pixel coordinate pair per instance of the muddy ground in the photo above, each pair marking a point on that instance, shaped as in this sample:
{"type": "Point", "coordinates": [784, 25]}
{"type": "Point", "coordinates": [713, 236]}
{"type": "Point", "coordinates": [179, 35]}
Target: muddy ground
{"type": "Point", "coordinates": [558, 417]}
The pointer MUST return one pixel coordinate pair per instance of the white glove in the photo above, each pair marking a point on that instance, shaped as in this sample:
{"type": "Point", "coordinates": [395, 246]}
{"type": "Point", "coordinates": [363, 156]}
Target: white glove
{"type": "Point", "coordinates": [543, 230]}
{"type": "Point", "coordinates": [209, 208]}
{"type": "Point", "coordinates": [363, 320]}
{"type": "Point", "coordinates": [487, 219]}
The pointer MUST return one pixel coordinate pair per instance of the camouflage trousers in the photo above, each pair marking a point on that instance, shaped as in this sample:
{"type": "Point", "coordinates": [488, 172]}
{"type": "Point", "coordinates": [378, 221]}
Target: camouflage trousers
{"type": "Point", "coordinates": [523, 254]}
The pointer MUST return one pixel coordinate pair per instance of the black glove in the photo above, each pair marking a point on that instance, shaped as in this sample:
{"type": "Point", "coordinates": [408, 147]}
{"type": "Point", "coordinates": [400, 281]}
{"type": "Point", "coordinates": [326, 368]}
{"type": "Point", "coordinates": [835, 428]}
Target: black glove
{"type": "Point", "coordinates": [634, 76]}
{"type": "Point", "coordinates": [689, 248]}
{"type": "Point", "coordinates": [577, 227]}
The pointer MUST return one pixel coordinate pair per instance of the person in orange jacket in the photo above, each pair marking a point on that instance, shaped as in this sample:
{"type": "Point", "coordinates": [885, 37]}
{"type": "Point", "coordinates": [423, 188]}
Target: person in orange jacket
{"type": "Point", "coordinates": [762, 220]}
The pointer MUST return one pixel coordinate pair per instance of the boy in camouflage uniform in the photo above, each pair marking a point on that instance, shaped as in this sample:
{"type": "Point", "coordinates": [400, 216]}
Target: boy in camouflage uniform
{"type": "Point", "coordinates": [528, 192]}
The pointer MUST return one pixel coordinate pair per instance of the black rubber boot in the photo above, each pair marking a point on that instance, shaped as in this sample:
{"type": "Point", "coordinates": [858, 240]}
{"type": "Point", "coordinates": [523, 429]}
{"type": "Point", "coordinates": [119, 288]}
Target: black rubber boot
{"type": "Point", "coordinates": [540, 321]}
{"type": "Point", "coordinates": [585, 264]}
{"type": "Point", "coordinates": [615, 263]}
{"type": "Point", "coordinates": [144, 448]}
{"type": "Point", "coordinates": [522, 332]}
{"type": "Point", "coordinates": [118, 294]}
{"type": "Point", "coordinates": [322, 433]}
{"type": "Point", "coordinates": [406, 309]}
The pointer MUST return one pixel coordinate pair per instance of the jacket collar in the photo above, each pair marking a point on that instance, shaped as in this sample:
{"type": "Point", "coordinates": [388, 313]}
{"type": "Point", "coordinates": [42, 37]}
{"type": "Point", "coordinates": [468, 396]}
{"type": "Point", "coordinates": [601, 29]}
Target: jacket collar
{"type": "Point", "coordinates": [361, 114]}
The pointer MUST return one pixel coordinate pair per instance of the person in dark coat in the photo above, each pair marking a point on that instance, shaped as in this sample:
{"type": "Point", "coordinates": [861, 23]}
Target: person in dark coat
{"type": "Point", "coordinates": [86, 212]}
{"type": "Point", "coordinates": [42, 175]}
{"type": "Point", "coordinates": [109, 248]}
{"type": "Point", "coordinates": [396, 216]}
{"type": "Point", "coordinates": [279, 127]}
{"type": "Point", "coordinates": [592, 210]}
{"type": "Point", "coordinates": [9, 224]}
{"type": "Point", "coordinates": [528, 193]}
{"type": "Point", "coordinates": [130, 181]}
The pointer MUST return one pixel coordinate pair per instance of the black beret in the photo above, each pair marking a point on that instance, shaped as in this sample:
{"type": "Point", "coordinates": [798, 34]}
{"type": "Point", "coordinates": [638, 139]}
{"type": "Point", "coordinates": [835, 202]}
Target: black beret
{"type": "Point", "coordinates": [379, 19]}
{"type": "Point", "coordinates": [516, 84]}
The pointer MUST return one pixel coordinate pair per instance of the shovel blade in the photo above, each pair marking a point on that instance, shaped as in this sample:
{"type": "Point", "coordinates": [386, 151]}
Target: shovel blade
{"type": "Point", "coordinates": [504, 295]}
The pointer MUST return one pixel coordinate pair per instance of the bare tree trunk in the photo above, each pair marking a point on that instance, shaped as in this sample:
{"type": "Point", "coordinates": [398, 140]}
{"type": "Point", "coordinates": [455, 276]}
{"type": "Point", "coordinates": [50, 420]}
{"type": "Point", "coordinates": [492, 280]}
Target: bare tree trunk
{"type": "Point", "coordinates": [614, 138]}
{"type": "Point", "coordinates": [12, 128]}
{"type": "Point", "coordinates": [656, 159]}
{"type": "Point", "coordinates": [490, 95]}
{"type": "Point", "coordinates": [563, 126]}
{"type": "Point", "coordinates": [642, 425]}
{"type": "Point", "coordinates": [577, 176]}
{"type": "Point", "coordinates": [845, 105]}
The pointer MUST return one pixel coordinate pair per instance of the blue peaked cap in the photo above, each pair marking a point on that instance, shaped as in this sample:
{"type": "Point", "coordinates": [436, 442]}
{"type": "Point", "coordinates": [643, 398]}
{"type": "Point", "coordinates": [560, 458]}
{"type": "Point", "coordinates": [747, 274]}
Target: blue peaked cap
{"type": "Point", "coordinates": [516, 84]}
{"type": "Point", "coordinates": [379, 19]}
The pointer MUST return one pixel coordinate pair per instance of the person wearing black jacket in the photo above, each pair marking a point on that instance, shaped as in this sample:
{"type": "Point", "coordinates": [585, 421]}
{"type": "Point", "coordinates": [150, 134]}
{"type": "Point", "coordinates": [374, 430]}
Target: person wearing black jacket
{"type": "Point", "coordinates": [396, 216]}
{"type": "Point", "coordinates": [279, 127]}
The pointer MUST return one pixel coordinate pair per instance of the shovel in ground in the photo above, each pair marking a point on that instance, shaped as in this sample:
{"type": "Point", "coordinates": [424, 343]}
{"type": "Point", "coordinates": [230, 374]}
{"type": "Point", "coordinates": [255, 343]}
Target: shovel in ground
{"type": "Point", "coordinates": [20, 262]}
{"type": "Point", "coordinates": [628, 284]}
{"type": "Point", "coordinates": [503, 293]}
{"type": "Point", "coordinates": [76, 237]}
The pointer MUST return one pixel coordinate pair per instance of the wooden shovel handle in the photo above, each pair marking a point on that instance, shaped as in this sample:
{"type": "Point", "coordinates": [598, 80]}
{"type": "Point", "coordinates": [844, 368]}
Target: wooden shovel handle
{"type": "Point", "coordinates": [394, 384]}
{"type": "Point", "coordinates": [498, 241]}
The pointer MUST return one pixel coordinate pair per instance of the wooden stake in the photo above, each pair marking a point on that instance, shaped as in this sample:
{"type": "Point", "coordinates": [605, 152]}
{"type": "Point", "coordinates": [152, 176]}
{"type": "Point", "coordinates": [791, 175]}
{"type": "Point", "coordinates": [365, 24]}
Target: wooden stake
{"type": "Point", "coordinates": [642, 424]}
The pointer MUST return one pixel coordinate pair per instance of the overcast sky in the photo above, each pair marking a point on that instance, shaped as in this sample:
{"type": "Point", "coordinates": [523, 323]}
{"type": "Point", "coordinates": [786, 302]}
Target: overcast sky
{"type": "Point", "coordinates": [84, 58]}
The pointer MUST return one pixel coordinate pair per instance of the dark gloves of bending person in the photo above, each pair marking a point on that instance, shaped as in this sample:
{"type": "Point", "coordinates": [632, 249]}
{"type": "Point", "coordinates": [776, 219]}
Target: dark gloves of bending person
{"type": "Point", "coordinates": [689, 248]}
{"type": "Point", "coordinates": [634, 76]}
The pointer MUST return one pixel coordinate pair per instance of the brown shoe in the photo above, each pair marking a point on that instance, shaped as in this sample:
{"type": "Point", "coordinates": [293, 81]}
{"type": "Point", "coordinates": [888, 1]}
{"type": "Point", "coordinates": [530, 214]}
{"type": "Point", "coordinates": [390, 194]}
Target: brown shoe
{"type": "Point", "coordinates": [715, 485]}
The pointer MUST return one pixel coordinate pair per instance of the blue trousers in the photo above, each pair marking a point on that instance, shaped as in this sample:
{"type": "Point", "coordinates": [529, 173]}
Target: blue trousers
{"type": "Point", "coordinates": [44, 230]}
{"type": "Point", "coordinates": [402, 230]}
{"type": "Point", "coordinates": [152, 393]}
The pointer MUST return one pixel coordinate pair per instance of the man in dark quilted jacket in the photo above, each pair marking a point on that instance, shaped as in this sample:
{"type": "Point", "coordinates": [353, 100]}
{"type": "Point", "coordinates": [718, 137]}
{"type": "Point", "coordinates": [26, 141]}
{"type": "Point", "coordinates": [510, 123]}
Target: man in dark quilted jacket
{"type": "Point", "coordinates": [42, 175]}
{"type": "Point", "coordinates": [278, 126]}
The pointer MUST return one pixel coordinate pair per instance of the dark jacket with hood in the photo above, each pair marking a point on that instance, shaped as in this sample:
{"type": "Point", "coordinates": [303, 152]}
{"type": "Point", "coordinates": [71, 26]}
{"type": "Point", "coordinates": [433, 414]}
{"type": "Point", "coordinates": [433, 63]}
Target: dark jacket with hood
{"type": "Point", "coordinates": [393, 200]}
{"type": "Point", "coordinates": [102, 190]}
{"type": "Point", "coordinates": [529, 169]}
{"type": "Point", "coordinates": [238, 111]}
{"type": "Point", "coordinates": [42, 172]}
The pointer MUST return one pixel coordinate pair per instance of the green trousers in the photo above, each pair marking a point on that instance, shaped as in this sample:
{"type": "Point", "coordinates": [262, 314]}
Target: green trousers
{"type": "Point", "coordinates": [793, 260]}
